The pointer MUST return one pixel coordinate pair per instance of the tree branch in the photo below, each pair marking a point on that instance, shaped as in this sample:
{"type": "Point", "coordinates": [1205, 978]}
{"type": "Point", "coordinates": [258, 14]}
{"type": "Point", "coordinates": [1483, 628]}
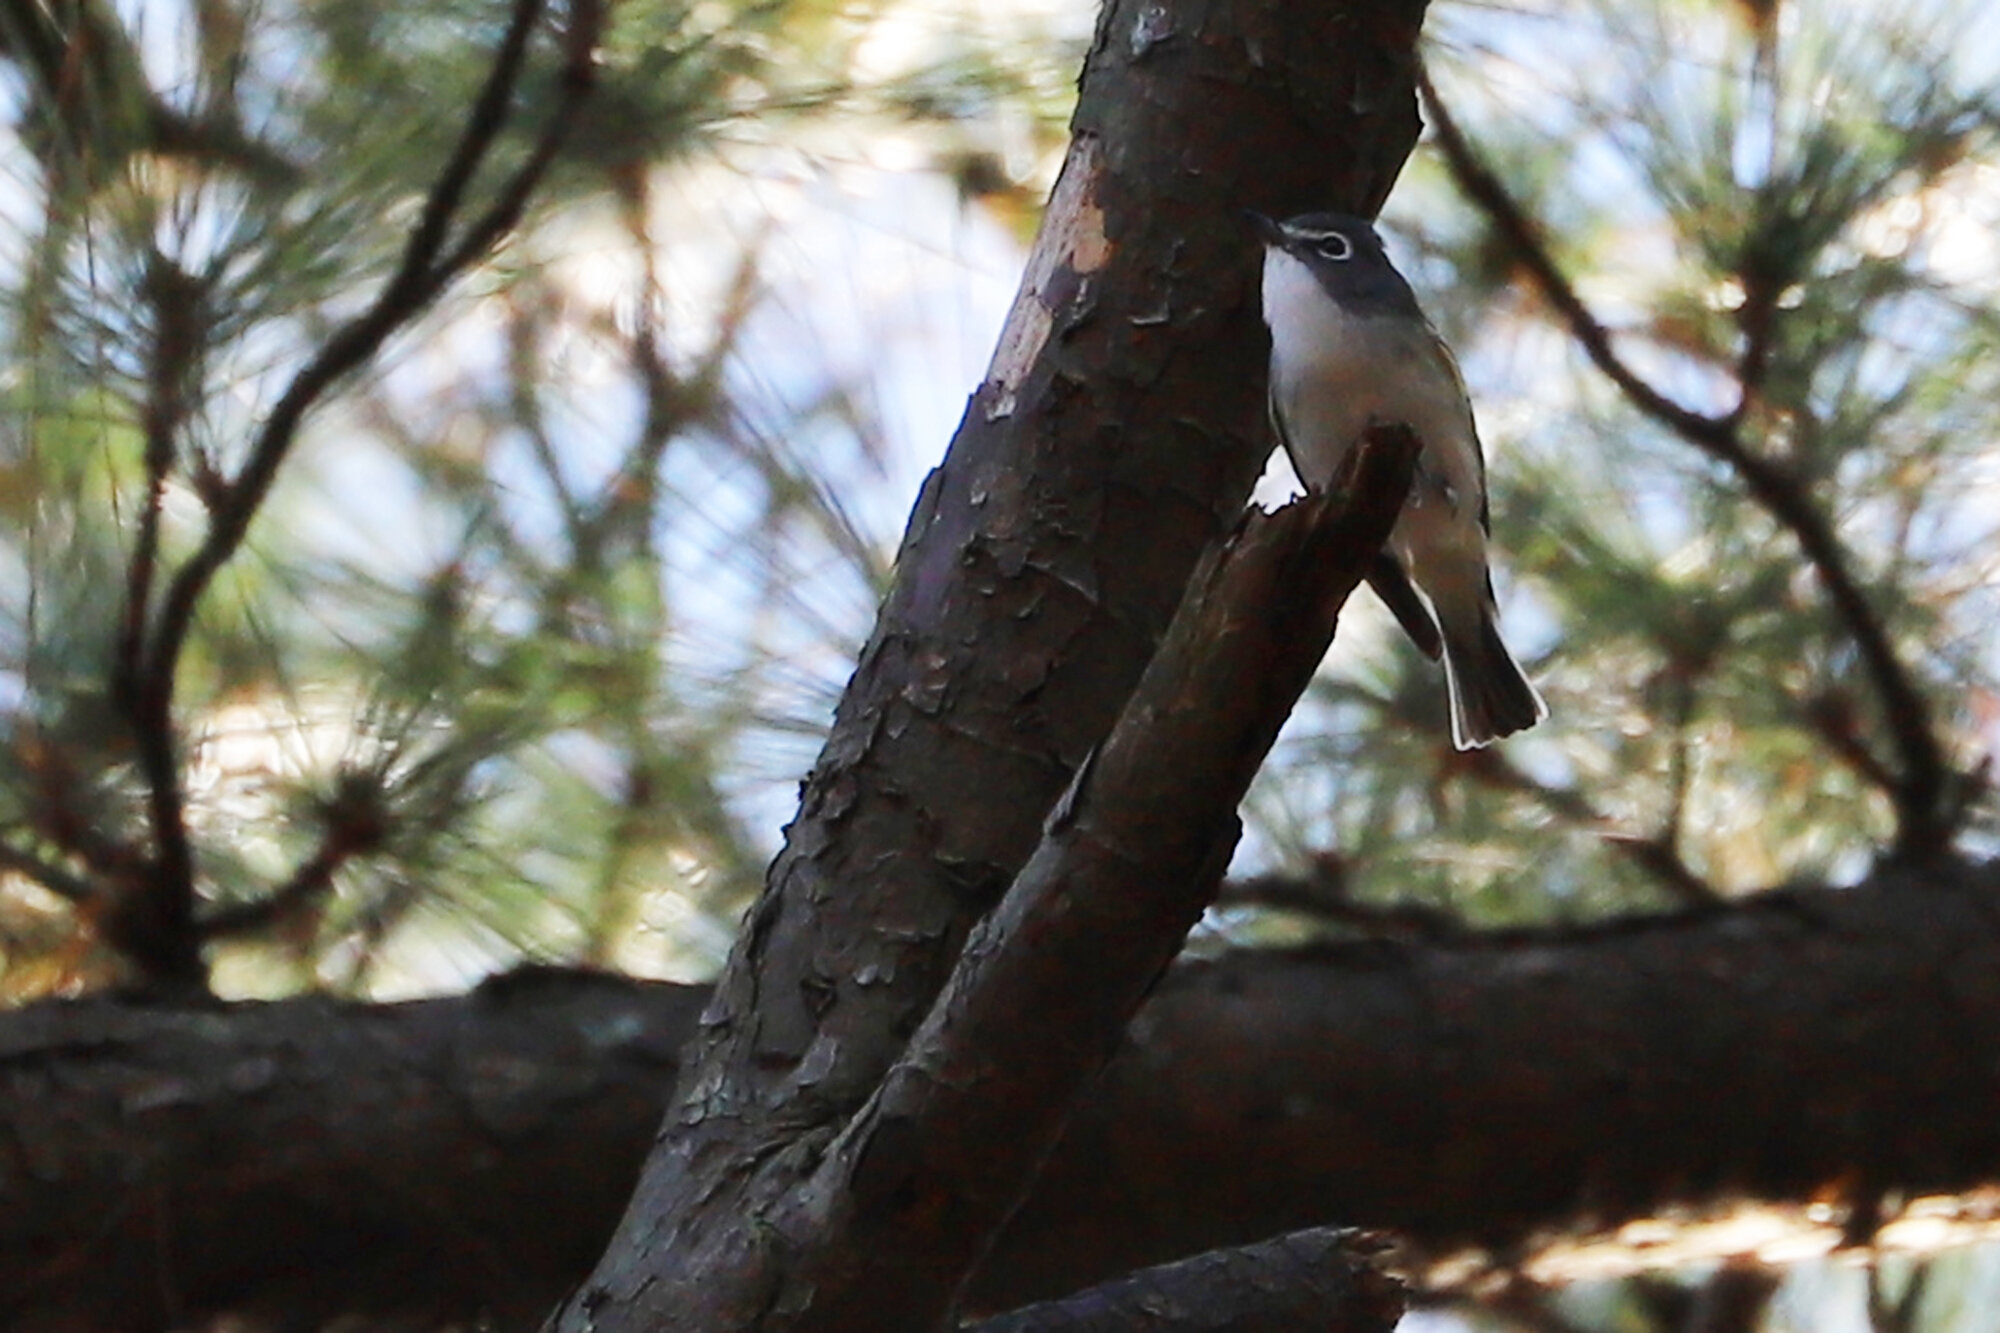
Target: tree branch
{"type": "Point", "coordinates": [355, 820]}
{"type": "Point", "coordinates": [1658, 854]}
{"type": "Point", "coordinates": [1129, 859]}
{"type": "Point", "coordinates": [70, 887]}
{"type": "Point", "coordinates": [470, 1154]}
{"type": "Point", "coordinates": [158, 912]}
{"type": "Point", "coordinates": [427, 266]}
{"type": "Point", "coordinates": [1324, 894]}
{"type": "Point", "coordinates": [417, 280]}
{"type": "Point", "coordinates": [1118, 433]}
{"type": "Point", "coordinates": [1929, 804]}
{"type": "Point", "coordinates": [1322, 1279]}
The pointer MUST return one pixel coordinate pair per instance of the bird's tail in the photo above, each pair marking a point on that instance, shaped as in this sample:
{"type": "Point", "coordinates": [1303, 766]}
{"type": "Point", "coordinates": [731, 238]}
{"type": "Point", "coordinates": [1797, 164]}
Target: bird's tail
{"type": "Point", "coordinates": [1490, 695]}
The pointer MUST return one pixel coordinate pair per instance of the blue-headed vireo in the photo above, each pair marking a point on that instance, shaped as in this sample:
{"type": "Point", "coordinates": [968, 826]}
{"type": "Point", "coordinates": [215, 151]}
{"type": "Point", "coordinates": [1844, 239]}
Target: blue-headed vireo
{"type": "Point", "coordinates": [1350, 348]}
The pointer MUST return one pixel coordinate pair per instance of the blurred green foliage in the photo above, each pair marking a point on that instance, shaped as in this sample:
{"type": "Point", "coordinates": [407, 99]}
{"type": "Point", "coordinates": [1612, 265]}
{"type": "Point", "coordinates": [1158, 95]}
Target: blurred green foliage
{"type": "Point", "coordinates": [552, 601]}
{"type": "Point", "coordinates": [543, 593]}
{"type": "Point", "coordinates": [1784, 217]}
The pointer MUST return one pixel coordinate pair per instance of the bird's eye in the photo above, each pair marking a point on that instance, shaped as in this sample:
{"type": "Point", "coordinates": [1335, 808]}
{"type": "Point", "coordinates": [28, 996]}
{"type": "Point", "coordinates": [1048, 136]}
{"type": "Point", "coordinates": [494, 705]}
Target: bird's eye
{"type": "Point", "coordinates": [1334, 246]}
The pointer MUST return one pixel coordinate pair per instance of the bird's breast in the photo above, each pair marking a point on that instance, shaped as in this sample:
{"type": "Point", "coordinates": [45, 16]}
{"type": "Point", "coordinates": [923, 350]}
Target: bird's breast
{"type": "Point", "coordinates": [1333, 371]}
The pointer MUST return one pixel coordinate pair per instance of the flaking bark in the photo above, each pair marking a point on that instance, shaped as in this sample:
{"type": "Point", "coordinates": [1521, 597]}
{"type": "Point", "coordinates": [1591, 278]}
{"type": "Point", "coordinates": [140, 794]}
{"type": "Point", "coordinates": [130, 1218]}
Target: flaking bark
{"type": "Point", "coordinates": [1116, 437]}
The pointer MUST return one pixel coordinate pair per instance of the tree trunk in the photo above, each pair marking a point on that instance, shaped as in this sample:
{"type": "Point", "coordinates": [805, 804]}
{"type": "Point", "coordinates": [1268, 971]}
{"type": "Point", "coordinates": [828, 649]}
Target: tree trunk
{"type": "Point", "coordinates": [1116, 436]}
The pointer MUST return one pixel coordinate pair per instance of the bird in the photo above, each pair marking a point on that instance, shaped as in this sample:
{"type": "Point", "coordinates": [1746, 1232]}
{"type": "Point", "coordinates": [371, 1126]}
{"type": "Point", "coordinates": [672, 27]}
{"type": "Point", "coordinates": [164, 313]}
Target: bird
{"type": "Point", "coordinates": [1350, 350]}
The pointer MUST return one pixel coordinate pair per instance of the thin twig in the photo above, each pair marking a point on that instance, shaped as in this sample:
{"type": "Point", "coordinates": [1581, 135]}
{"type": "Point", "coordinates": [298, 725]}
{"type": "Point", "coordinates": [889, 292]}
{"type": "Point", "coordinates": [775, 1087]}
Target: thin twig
{"type": "Point", "coordinates": [416, 281]}
{"type": "Point", "coordinates": [309, 882]}
{"type": "Point", "coordinates": [523, 355]}
{"type": "Point", "coordinates": [420, 276]}
{"type": "Point", "coordinates": [177, 311]}
{"type": "Point", "coordinates": [1680, 768]}
{"type": "Point", "coordinates": [1761, 273]}
{"type": "Point", "coordinates": [356, 821]}
{"type": "Point", "coordinates": [1832, 714]}
{"type": "Point", "coordinates": [1922, 787]}
{"type": "Point", "coordinates": [1322, 896]}
{"type": "Point", "coordinates": [1657, 854]}
{"type": "Point", "coordinates": [65, 885]}
{"type": "Point", "coordinates": [1660, 858]}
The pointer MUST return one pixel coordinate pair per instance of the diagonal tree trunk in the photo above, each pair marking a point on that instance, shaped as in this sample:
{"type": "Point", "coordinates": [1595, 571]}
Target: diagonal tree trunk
{"type": "Point", "coordinates": [1116, 436]}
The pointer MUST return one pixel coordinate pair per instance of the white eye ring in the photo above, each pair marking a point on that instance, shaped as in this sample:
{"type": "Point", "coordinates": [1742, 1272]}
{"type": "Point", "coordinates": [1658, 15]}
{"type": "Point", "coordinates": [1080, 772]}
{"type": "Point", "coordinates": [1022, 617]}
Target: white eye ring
{"type": "Point", "coordinates": [1333, 245]}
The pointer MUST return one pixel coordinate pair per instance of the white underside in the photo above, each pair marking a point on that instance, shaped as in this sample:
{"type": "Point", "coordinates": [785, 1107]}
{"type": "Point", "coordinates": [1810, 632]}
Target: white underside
{"type": "Point", "coordinates": [1333, 375]}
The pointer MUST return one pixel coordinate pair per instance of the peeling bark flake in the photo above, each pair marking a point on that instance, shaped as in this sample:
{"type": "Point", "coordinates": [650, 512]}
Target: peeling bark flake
{"type": "Point", "coordinates": [1076, 247]}
{"type": "Point", "coordinates": [1152, 26]}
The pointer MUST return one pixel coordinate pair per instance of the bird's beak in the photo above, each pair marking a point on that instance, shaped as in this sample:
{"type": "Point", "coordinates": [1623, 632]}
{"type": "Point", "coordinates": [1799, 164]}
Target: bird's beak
{"type": "Point", "coordinates": [1269, 232]}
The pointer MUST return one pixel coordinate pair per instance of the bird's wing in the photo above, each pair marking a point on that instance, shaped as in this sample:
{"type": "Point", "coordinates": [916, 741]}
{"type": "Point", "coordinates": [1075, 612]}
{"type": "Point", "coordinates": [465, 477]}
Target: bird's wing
{"type": "Point", "coordinates": [1277, 420]}
{"type": "Point", "coordinates": [1392, 584]}
{"type": "Point", "coordinates": [1441, 355]}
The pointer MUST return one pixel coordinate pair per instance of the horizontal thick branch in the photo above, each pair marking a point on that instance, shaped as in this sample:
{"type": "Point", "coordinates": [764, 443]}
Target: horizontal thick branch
{"type": "Point", "coordinates": [1811, 1044]}
{"type": "Point", "coordinates": [470, 1154]}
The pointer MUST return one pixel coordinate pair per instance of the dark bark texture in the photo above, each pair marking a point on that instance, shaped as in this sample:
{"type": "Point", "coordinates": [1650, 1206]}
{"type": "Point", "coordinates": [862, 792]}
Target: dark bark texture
{"type": "Point", "coordinates": [1115, 438]}
{"type": "Point", "coordinates": [454, 1157]}
{"type": "Point", "coordinates": [432, 1160]}
{"type": "Point", "coordinates": [1323, 1279]}
{"type": "Point", "coordinates": [912, 1192]}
